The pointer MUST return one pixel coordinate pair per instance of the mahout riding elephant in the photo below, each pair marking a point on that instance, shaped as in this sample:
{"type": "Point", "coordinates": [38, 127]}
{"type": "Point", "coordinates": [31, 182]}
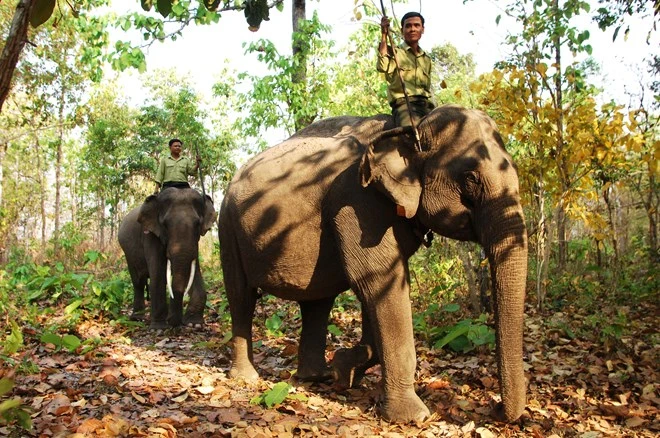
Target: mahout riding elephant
{"type": "Point", "coordinates": [160, 239]}
{"type": "Point", "coordinates": [343, 204]}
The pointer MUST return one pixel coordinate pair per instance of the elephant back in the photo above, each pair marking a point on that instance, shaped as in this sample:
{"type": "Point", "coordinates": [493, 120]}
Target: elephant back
{"type": "Point", "coordinates": [362, 128]}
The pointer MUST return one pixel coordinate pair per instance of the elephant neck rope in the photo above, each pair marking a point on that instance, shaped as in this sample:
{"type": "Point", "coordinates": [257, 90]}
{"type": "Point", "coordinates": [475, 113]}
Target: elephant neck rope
{"type": "Point", "coordinates": [424, 233]}
{"type": "Point", "coordinates": [418, 143]}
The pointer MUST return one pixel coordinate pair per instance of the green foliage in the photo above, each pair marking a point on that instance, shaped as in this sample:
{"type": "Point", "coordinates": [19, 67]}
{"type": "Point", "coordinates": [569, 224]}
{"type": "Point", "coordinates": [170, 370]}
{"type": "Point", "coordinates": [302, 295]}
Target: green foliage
{"type": "Point", "coordinates": [276, 395]}
{"type": "Point", "coordinates": [11, 410]}
{"type": "Point", "coordinates": [278, 99]}
{"type": "Point", "coordinates": [466, 335]}
{"type": "Point", "coordinates": [70, 342]}
{"type": "Point", "coordinates": [14, 341]}
{"type": "Point", "coordinates": [462, 336]}
{"type": "Point", "coordinates": [334, 330]}
{"type": "Point", "coordinates": [274, 324]}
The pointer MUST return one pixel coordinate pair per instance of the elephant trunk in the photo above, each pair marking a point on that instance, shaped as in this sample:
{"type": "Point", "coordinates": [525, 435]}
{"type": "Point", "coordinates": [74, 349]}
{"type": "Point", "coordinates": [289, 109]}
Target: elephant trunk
{"type": "Point", "coordinates": [506, 248]}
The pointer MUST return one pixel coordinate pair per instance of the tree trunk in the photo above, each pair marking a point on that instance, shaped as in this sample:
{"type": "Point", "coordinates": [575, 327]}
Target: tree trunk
{"type": "Point", "coordinates": [542, 253]}
{"type": "Point", "coordinates": [3, 152]}
{"type": "Point", "coordinates": [14, 44]}
{"type": "Point", "coordinates": [561, 159]}
{"type": "Point", "coordinates": [299, 75]}
{"type": "Point", "coordinates": [42, 189]}
{"type": "Point", "coordinates": [465, 254]}
{"type": "Point", "coordinates": [58, 166]}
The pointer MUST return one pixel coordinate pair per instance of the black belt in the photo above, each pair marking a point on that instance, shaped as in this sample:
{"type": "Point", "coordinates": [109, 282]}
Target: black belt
{"type": "Point", "coordinates": [413, 99]}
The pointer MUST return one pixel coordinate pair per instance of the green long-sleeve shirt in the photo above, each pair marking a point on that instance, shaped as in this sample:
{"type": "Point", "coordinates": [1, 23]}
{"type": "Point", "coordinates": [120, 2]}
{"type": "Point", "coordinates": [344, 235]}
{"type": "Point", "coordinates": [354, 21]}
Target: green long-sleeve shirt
{"type": "Point", "coordinates": [171, 170]}
{"type": "Point", "coordinates": [415, 69]}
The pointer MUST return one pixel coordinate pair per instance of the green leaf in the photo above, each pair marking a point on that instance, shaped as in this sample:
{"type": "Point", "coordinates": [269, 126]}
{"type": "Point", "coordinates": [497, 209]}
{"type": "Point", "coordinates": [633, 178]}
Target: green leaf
{"type": "Point", "coordinates": [147, 4]}
{"type": "Point", "coordinates": [276, 395]}
{"type": "Point", "coordinates": [460, 344]}
{"type": "Point", "coordinates": [164, 7]}
{"type": "Point", "coordinates": [71, 342]}
{"type": "Point", "coordinates": [68, 310]}
{"type": "Point", "coordinates": [14, 341]}
{"type": "Point", "coordinates": [10, 404]}
{"type": "Point", "coordinates": [334, 330]}
{"type": "Point", "coordinates": [498, 18]}
{"type": "Point", "coordinates": [42, 12]}
{"type": "Point", "coordinates": [51, 338]}
{"type": "Point", "coordinates": [5, 385]}
{"type": "Point", "coordinates": [458, 330]}
{"type": "Point", "coordinates": [453, 307]}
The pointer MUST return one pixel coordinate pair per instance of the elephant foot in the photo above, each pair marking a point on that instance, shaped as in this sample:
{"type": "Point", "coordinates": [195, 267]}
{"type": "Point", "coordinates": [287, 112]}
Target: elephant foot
{"type": "Point", "coordinates": [193, 321]}
{"type": "Point", "coordinates": [350, 364]}
{"type": "Point", "coordinates": [138, 315]}
{"type": "Point", "coordinates": [174, 321]}
{"type": "Point", "coordinates": [247, 373]}
{"type": "Point", "coordinates": [314, 375]}
{"type": "Point", "coordinates": [406, 408]}
{"type": "Point", "coordinates": [158, 325]}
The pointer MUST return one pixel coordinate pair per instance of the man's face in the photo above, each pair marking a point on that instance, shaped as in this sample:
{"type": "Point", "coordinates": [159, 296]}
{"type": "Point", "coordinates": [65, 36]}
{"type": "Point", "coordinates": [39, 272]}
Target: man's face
{"type": "Point", "coordinates": [412, 30]}
{"type": "Point", "coordinates": [175, 148]}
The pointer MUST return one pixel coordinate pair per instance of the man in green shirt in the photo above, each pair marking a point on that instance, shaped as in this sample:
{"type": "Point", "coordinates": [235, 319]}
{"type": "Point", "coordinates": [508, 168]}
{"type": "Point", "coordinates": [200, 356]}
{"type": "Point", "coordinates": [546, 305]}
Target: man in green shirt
{"type": "Point", "coordinates": [415, 65]}
{"type": "Point", "coordinates": [174, 169]}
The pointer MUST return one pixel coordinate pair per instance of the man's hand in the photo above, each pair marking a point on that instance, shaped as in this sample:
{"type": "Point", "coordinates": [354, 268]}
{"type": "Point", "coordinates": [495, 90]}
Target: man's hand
{"type": "Point", "coordinates": [384, 25]}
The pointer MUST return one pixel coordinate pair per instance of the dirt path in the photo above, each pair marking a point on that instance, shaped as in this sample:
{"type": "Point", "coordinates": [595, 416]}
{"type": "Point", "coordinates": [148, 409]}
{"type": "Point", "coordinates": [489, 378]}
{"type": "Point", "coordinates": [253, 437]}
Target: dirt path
{"type": "Point", "coordinates": [141, 383]}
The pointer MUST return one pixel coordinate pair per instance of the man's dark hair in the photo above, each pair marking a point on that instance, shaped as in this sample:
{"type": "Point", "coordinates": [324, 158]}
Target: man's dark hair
{"type": "Point", "coordinates": [410, 15]}
{"type": "Point", "coordinates": [175, 140]}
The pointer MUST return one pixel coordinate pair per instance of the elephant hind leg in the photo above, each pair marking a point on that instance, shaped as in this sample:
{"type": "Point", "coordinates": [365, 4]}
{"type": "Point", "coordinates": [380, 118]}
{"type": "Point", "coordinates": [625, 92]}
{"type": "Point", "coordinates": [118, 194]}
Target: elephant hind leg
{"type": "Point", "coordinates": [349, 365]}
{"type": "Point", "coordinates": [311, 353]}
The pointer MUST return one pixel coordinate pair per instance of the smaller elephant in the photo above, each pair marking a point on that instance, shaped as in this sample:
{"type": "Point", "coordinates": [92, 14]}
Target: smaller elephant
{"type": "Point", "coordinates": [160, 240]}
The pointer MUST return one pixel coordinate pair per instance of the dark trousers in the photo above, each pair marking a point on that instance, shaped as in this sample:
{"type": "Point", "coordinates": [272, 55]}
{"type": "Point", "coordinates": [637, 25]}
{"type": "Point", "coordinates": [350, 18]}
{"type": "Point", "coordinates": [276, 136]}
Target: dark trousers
{"type": "Point", "coordinates": [419, 105]}
{"type": "Point", "coordinates": [177, 185]}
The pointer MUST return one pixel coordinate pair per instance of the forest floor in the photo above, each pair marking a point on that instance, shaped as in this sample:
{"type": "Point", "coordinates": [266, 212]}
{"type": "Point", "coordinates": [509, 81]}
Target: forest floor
{"type": "Point", "coordinates": [137, 382]}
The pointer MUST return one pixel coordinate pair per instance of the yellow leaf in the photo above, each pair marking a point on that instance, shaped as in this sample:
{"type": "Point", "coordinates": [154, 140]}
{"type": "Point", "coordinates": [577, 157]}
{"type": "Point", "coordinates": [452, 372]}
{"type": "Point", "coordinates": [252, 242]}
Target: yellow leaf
{"type": "Point", "coordinates": [542, 68]}
{"type": "Point", "coordinates": [138, 397]}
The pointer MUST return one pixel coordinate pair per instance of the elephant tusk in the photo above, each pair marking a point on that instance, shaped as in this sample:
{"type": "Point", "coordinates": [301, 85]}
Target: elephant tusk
{"type": "Point", "coordinates": [169, 278]}
{"type": "Point", "coordinates": [192, 276]}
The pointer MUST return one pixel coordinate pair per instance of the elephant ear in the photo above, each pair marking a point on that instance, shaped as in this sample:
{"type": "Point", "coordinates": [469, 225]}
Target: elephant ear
{"type": "Point", "coordinates": [210, 215]}
{"type": "Point", "coordinates": [386, 166]}
{"type": "Point", "coordinates": [148, 216]}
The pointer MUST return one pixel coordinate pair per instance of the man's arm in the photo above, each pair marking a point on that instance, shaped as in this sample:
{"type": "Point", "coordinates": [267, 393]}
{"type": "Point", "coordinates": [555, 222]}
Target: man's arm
{"type": "Point", "coordinates": [384, 63]}
{"type": "Point", "coordinates": [160, 174]}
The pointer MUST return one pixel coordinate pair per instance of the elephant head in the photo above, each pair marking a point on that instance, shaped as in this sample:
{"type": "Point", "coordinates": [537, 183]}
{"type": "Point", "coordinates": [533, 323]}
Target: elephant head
{"type": "Point", "coordinates": [464, 185]}
{"type": "Point", "coordinates": [178, 217]}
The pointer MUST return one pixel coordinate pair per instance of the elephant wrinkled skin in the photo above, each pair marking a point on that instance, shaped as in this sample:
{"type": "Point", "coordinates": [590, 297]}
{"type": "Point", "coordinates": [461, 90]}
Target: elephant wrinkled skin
{"type": "Point", "coordinates": [165, 230]}
{"type": "Point", "coordinates": [340, 205]}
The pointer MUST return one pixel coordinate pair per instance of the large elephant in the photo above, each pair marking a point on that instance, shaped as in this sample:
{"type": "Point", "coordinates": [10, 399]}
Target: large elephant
{"type": "Point", "coordinates": [160, 239]}
{"type": "Point", "coordinates": [343, 204]}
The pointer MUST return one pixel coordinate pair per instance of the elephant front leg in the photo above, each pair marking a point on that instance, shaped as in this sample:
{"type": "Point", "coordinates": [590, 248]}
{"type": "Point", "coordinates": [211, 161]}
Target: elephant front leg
{"type": "Point", "coordinates": [391, 316]}
{"type": "Point", "coordinates": [158, 304]}
{"type": "Point", "coordinates": [311, 352]}
{"type": "Point", "coordinates": [391, 319]}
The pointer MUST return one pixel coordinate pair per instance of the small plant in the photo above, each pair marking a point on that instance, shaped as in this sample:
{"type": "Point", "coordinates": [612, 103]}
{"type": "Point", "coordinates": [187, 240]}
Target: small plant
{"type": "Point", "coordinates": [274, 324]}
{"type": "Point", "coordinates": [276, 395]}
{"type": "Point", "coordinates": [468, 334]}
{"type": "Point", "coordinates": [70, 342]}
{"type": "Point", "coordinates": [12, 410]}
